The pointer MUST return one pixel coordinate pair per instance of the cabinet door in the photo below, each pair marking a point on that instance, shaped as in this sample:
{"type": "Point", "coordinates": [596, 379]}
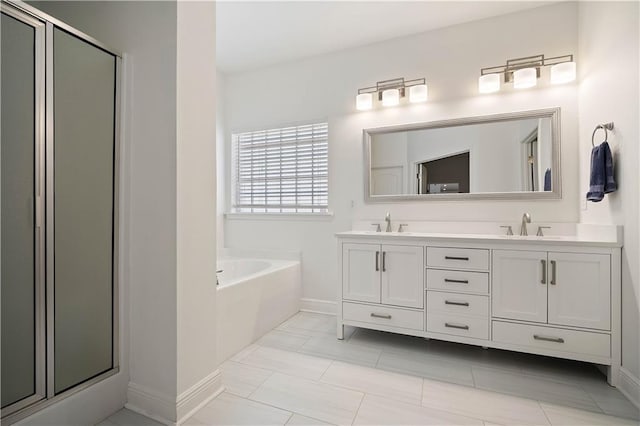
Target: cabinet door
{"type": "Point", "coordinates": [403, 276]}
{"type": "Point", "coordinates": [580, 290]}
{"type": "Point", "coordinates": [519, 289]}
{"type": "Point", "coordinates": [361, 272]}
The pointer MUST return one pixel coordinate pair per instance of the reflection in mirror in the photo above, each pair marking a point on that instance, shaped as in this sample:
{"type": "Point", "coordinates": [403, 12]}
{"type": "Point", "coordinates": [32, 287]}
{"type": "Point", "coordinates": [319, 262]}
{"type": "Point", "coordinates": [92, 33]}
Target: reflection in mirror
{"type": "Point", "coordinates": [496, 155]}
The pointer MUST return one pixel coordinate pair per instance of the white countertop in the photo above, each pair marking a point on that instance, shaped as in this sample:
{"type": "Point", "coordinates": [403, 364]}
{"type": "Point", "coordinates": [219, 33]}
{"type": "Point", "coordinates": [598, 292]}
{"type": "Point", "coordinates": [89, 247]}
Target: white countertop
{"type": "Point", "coordinates": [583, 237]}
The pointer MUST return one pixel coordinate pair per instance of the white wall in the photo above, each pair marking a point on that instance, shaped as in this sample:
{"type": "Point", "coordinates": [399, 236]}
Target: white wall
{"type": "Point", "coordinates": [609, 52]}
{"type": "Point", "coordinates": [221, 156]}
{"type": "Point", "coordinates": [196, 205]}
{"type": "Point", "coordinates": [450, 58]}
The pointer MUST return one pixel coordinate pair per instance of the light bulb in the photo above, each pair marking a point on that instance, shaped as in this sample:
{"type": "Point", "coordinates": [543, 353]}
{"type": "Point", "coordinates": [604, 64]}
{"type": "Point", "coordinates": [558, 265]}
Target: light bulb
{"type": "Point", "coordinates": [489, 83]}
{"type": "Point", "coordinates": [418, 93]}
{"type": "Point", "coordinates": [563, 73]}
{"type": "Point", "coordinates": [364, 101]}
{"type": "Point", "coordinates": [525, 78]}
{"type": "Point", "coordinates": [390, 97]}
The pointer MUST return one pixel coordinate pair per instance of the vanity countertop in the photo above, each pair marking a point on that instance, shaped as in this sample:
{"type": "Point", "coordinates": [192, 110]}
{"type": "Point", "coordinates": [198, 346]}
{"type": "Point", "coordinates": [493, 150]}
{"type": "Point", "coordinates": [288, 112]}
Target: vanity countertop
{"type": "Point", "coordinates": [583, 239]}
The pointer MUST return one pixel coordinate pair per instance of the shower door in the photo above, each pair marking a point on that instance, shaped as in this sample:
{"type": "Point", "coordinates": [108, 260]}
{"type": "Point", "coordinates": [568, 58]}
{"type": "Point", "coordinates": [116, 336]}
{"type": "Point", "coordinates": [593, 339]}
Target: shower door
{"type": "Point", "coordinates": [21, 209]}
{"type": "Point", "coordinates": [59, 210]}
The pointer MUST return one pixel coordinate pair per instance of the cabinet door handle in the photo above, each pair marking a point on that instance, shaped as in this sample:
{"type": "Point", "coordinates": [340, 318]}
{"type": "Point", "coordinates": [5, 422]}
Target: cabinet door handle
{"type": "Point", "coordinates": [553, 273]}
{"type": "Point", "coordinates": [548, 339]}
{"type": "Point", "coordinates": [377, 261]}
{"type": "Point", "coordinates": [461, 327]}
{"type": "Point", "coordinates": [456, 258]}
{"type": "Point", "coordinates": [374, 315]}
{"type": "Point", "coordinates": [449, 280]}
{"type": "Point", "coordinates": [544, 271]}
{"type": "Point", "coordinates": [384, 261]}
{"type": "Point", "coordinates": [449, 302]}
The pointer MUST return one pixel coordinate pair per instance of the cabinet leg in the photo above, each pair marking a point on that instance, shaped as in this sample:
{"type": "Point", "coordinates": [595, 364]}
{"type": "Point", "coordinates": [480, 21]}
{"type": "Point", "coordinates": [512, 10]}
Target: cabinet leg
{"type": "Point", "coordinates": [613, 375]}
{"type": "Point", "coordinates": [340, 332]}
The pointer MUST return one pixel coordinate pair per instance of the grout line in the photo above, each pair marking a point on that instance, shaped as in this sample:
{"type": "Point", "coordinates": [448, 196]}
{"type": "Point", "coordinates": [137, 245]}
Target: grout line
{"type": "Point", "coordinates": [260, 385]}
{"type": "Point", "coordinates": [544, 412]}
{"type": "Point", "coordinates": [268, 405]}
{"type": "Point", "coordinates": [316, 382]}
{"type": "Point", "coordinates": [325, 371]}
{"type": "Point", "coordinates": [355, 416]}
{"type": "Point", "coordinates": [289, 419]}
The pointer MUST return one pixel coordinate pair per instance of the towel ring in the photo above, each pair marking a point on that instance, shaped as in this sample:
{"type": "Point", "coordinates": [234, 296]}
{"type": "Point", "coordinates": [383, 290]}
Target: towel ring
{"type": "Point", "coordinates": [605, 127]}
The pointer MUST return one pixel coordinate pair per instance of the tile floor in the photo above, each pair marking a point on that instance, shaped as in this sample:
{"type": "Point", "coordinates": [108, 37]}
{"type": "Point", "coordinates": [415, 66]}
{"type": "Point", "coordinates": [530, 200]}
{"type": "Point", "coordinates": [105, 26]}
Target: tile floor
{"type": "Point", "coordinates": [300, 374]}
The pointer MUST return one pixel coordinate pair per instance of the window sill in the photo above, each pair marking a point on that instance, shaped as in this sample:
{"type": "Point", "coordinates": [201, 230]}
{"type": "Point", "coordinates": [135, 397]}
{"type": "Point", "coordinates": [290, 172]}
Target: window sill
{"type": "Point", "coordinates": [325, 216]}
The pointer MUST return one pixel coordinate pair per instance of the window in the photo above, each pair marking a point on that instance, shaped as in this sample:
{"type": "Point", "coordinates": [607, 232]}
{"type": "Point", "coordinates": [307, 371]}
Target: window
{"type": "Point", "coordinates": [281, 170]}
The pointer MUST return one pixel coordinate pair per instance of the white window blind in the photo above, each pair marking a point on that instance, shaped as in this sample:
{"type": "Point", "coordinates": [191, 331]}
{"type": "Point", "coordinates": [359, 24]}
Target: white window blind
{"type": "Point", "coordinates": [281, 170]}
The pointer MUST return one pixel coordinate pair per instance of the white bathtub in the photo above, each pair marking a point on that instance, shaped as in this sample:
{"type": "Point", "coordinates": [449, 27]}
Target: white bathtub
{"type": "Point", "coordinates": [254, 296]}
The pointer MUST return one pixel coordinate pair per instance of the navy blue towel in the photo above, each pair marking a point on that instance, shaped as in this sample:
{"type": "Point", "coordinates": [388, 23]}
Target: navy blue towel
{"type": "Point", "coordinates": [547, 180]}
{"type": "Point", "coordinates": [602, 180]}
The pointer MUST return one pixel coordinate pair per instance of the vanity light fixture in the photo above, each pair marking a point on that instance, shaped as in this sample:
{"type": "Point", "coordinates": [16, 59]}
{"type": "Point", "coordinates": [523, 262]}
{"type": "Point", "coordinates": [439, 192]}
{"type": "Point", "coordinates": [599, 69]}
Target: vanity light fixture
{"type": "Point", "coordinates": [563, 73]}
{"type": "Point", "coordinates": [489, 83]}
{"type": "Point", "coordinates": [364, 101]}
{"type": "Point", "coordinates": [418, 93]}
{"type": "Point", "coordinates": [390, 92]}
{"type": "Point", "coordinates": [390, 97]}
{"type": "Point", "coordinates": [524, 72]}
{"type": "Point", "coordinates": [525, 78]}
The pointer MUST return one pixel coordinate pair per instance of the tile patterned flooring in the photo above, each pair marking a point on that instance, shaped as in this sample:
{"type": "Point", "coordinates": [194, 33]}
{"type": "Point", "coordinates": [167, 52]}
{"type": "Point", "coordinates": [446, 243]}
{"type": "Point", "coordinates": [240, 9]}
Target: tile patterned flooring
{"type": "Point", "coordinates": [300, 374]}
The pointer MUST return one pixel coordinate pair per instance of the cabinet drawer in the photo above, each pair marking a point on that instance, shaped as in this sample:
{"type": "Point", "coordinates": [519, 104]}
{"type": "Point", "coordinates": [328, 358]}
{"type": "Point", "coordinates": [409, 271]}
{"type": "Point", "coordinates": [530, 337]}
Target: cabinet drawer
{"type": "Point", "coordinates": [556, 339]}
{"type": "Point", "coordinates": [458, 258]}
{"type": "Point", "coordinates": [454, 303]}
{"type": "Point", "coordinates": [458, 325]}
{"type": "Point", "coordinates": [464, 281]}
{"type": "Point", "coordinates": [383, 315]}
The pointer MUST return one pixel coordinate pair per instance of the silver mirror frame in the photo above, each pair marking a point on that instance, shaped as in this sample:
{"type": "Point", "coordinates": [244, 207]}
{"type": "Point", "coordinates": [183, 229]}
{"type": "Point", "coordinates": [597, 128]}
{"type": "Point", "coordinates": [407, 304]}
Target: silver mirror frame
{"type": "Point", "coordinates": [555, 194]}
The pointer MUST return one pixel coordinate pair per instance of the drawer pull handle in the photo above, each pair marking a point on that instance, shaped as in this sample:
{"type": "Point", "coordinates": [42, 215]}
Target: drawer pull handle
{"type": "Point", "coordinates": [549, 339]}
{"type": "Point", "coordinates": [374, 315]}
{"type": "Point", "coordinates": [461, 327]}
{"type": "Point", "coordinates": [553, 272]}
{"type": "Point", "coordinates": [449, 302]}
{"type": "Point", "coordinates": [449, 280]}
{"type": "Point", "coordinates": [384, 261]}
{"type": "Point", "coordinates": [544, 271]}
{"type": "Point", "coordinates": [377, 261]}
{"type": "Point", "coordinates": [456, 258]}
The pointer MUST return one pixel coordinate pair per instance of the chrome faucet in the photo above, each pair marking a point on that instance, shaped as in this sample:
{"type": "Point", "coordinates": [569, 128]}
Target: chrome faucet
{"type": "Point", "coordinates": [387, 218]}
{"type": "Point", "coordinates": [526, 218]}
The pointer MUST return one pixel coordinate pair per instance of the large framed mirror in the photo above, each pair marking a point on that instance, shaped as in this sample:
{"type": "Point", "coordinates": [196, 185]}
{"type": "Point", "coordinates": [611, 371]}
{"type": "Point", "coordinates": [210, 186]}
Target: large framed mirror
{"type": "Point", "coordinates": [503, 156]}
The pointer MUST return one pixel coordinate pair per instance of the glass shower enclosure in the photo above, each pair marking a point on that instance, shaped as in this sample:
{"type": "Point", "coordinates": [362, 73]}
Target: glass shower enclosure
{"type": "Point", "coordinates": [59, 93]}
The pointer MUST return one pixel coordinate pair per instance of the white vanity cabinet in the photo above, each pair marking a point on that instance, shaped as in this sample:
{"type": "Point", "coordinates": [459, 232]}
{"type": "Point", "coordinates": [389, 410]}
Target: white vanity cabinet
{"type": "Point", "coordinates": [383, 273]}
{"type": "Point", "coordinates": [519, 287]}
{"type": "Point", "coordinates": [579, 290]}
{"type": "Point", "coordinates": [555, 297]}
{"type": "Point", "coordinates": [566, 289]}
{"type": "Point", "coordinates": [361, 272]}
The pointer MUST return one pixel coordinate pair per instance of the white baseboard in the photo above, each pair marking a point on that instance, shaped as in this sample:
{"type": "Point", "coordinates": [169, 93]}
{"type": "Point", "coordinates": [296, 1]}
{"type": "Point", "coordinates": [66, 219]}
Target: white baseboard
{"type": "Point", "coordinates": [198, 395]}
{"type": "Point", "coordinates": [170, 411]}
{"type": "Point", "coordinates": [630, 386]}
{"type": "Point", "coordinates": [150, 403]}
{"type": "Point", "coordinates": [318, 306]}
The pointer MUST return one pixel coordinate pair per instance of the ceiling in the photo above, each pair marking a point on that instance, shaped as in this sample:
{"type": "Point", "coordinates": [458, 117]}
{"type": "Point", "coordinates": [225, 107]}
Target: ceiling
{"type": "Point", "coordinates": [253, 35]}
